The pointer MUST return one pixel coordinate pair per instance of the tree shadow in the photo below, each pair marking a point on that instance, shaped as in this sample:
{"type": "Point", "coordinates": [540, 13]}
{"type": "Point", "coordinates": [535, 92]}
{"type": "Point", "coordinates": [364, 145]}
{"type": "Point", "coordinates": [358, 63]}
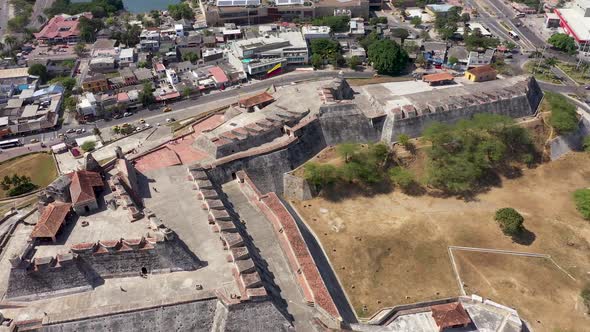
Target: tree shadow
{"type": "Point", "coordinates": [525, 238]}
{"type": "Point", "coordinates": [342, 190]}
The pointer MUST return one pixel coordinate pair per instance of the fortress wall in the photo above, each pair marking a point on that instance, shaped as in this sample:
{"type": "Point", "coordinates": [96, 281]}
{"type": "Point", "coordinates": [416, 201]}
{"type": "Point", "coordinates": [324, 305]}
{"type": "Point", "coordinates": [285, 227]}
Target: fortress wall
{"type": "Point", "coordinates": [203, 143]}
{"type": "Point", "coordinates": [266, 170]}
{"type": "Point", "coordinates": [28, 284]}
{"type": "Point", "coordinates": [293, 246]}
{"type": "Point", "coordinates": [166, 256]}
{"type": "Point", "coordinates": [253, 140]}
{"type": "Point", "coordinates": [514, 107]}
{"type": "Point", "coordinates": [346, 123]}
{"type": "Point", "coordinates": [186, 316]}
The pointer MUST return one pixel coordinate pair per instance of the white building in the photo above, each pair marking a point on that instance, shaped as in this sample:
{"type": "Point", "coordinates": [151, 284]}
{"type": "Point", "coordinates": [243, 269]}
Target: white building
{"type": "Point", "coordinates": [126, 57]}
{"type": "Point", "coordinates": [313, 32]}
{"type": "Point", "coordinates": [357, 27]}
{"type": "Point", "coordinates": [87, 104]}
{"type": "Point", "coordinates": [172, 77]}
{"type": "Point", "coordinates": [575, 20]}
{"type": "Point", "coordinates": [179, 30]}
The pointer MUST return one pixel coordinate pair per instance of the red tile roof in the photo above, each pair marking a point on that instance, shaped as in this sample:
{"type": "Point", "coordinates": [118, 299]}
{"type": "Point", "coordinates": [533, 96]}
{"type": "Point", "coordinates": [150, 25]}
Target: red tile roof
{"type": "Point", "coordinates": [82, 186]}
{"type": "Point", "coordinates": [61, 26]}
{"type": "Point", "coordinates": [256, 100]}
{"type": "Point", "coordinates": [481, 70]}
{"type": "Point", "coordinates": [449, 314]}
{"type": "Point", "coordinates": [218, 75]}
{"type": "Point", "coordinates": [438, 77]}
{"type": "Point", "coordinates": [51, 220]}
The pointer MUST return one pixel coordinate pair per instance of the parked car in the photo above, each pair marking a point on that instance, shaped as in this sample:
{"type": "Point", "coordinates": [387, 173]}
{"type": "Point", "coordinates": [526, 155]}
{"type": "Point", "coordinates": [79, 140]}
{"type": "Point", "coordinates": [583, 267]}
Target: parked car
{"type": "Point", "coordinates": [71, 130]}
{"type": "Point", "coordinates": [141, 121]}
{"type": "Point", "coordinates": [79, 131]}
{"type": "Point", "coordinates": [34, 140]}
{"type": "Point", "coordinates": [126, 114]}
{"type": "Point", "coordinates": [167, 109]}
{"type": "Point", "coordinates": [117, 116]}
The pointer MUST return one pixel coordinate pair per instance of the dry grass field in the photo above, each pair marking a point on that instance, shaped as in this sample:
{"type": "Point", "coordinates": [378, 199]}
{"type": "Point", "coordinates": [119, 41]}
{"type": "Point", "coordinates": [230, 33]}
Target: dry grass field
{"type": "Point", "coordinates": [542, 293]}
{"type": "Point", "coordinates": [40, 167]}
{"type": "Point", "coordinates": [390, 248]}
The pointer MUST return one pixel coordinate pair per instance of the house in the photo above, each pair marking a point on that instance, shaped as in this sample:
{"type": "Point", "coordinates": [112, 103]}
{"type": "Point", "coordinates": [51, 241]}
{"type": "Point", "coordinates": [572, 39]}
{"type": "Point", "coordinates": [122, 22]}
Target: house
{"type": "Point", "coordinates": [149, 40]}
{"type": "Point", "coordinates": [52, 218]}
{"type": "Point", "coordinates": [211, 54]}
{"type": "Point", "coordinates": [450, 315]}
{"type": "Point", "coordinates": [172, 77]}
{"type": "Point", "coordinates": [438, 78]}
{"type": "Point", "coordinates": [102, 64]}
{"type": "Point", "coordinates": [87, 104]}
{"type": "Point", "coordinates": [479, 59]}
{"type": "Point", "coordinates": [219, 77]}
{"type": "Point", "coordinates": [179, 30]}
{"type": "Point", "coordinates": [83, 191]}
{"type": "Point", "coordinates": [481, 74]}
{"type": "Point", "coordinates": [95, 83]}
{"type": "Point", "coordinates": [126, 57]}
{"type": "Point", "coordinates": [127, 76]}
{"type": "Point", "coordinates": [435, 52]}
{"type": "Point", "coordinates": [458, 53]}
{"type": "Point", "coordinates": [61, 28]}
{"type": "Point", "coordinates": [143, 75]}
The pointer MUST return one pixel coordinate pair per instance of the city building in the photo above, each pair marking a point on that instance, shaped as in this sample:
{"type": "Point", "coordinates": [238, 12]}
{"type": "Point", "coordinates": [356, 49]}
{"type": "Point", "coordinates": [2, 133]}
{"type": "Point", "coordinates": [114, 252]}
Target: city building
{"type": "Point", "coordinates": [313, 32]}
{"type": "Point", "coordinates": [575, 20]}
{"type": "Point", "coordinates": [149, 40]}
{"type": "Point", "coordinates": [126, 57]}
{"type": "Point", "coordinates": [268, 54]}
{"type": "Point", "coordinates": [61, 28]}
{"type": "Point", "coordinates": [480, 59]}
{"type": "Point", "coordinates": [95, 83]}
{"type": "Point", "coordinates": [83, 190]}
{"type": "Point", "coordinates": [102, 64]}
{"type": "Point", "coordinates": [87, 105]}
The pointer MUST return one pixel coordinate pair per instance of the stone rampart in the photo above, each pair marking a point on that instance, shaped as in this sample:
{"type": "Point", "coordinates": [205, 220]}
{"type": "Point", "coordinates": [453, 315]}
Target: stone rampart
{"type": "Point", "coordinates": [296, 187]}
{"type": "Point", "coordinates": [293, 245]}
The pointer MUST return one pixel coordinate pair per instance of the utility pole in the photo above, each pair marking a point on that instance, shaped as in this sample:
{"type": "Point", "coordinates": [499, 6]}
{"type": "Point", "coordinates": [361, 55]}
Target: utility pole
{"type": "Point", "coordinates": [535, 69]}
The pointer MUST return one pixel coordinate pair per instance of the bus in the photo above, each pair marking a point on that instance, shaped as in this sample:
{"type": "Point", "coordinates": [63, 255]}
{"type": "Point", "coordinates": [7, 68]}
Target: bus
{"type": "Point", "coordinates": [513, 34]}
{"type": "Point", "coordinates": [11, 143]}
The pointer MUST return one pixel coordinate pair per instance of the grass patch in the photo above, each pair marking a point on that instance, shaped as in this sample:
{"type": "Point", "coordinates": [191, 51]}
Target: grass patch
{"type": "Point", "coordinates": [541, 72]}
{"type": "Point", "coordinates": [40, 167]}
{"type": "Point", "coordinates": [581, 75]}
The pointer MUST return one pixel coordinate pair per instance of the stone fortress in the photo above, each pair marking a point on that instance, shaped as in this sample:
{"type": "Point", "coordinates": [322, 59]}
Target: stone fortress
{"type": "Point", "coordinates": [213, 243]}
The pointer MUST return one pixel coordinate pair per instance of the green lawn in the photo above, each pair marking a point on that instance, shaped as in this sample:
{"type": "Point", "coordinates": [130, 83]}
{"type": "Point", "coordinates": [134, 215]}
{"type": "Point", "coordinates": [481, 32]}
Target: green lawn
{"type": "Point", "coordinates": [40, 167]}
{"type": "Point", "coordinates": [580, 75]}
{"type": "Point", "coordinates": [542, 73]}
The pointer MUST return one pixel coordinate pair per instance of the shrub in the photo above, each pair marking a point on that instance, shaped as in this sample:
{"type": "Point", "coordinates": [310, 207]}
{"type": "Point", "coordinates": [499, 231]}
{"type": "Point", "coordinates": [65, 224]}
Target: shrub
{"type": "Point", "coordinates": [405, 141]}
{"type": "Point", "coordinates": [585, 294]}
{"type": "Point", "coordinates": [582, 200]}
{"type": "Point", "coordinates": [510, 221]}
{"type": "Point", "coordinates": [402, 177]}
{"type": "Point", "coordinates": [88, 146]}
{"type": "Point", "coordinates": [320, 175]}
{"type": "Point", "coordinates": [22, 188]}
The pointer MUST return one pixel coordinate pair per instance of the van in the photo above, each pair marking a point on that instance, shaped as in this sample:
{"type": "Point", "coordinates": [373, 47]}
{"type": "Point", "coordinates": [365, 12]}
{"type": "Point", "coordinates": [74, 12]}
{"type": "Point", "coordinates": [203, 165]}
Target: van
{"type": "Point", "coordinates": [519, 15]}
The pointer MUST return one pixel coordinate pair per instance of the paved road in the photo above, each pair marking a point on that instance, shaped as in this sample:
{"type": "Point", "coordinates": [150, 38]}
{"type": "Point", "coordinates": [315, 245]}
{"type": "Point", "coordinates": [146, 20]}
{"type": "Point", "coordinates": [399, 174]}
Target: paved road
{"type": "Point", "coordinates": [188, 108]}
{"type": "Point", "coordinates": [3, 17]}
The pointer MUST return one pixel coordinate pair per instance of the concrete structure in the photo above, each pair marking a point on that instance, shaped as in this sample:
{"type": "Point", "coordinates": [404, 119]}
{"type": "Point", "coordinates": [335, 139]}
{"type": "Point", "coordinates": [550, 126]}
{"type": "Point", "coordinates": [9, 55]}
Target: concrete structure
{"type": "Point", "coordinates": [312, 32]}
{"type": "Point", "coordinates": [480, 59]}
{"type": "Point", "coordinates": [87, 104]}
{"type": "Point", "coordinates": [83, 191]}
{"type": "Point", "coordinates": [575, 20]}
{"type": "Point", "coordinates": [126, 57]}
{"type": "Point", "coordinates": [95, 83]}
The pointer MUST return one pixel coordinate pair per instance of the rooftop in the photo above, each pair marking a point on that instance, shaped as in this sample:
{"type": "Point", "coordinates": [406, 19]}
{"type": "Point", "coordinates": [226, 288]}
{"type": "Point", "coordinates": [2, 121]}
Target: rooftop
{"type": "Point", "coordinates": [14, 73]}
{"type": "Point", "coordinates": [51, 219]}
{"type": "Point", "coordinates": [61, 26]}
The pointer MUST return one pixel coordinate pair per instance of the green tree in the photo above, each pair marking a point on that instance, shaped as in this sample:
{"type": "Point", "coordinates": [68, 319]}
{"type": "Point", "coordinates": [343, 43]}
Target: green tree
{"type": "Point", "coordinates": [11, 41]}
{"type": "Point", "coordinates": [416, 21]}
{"type": "Point", "coordinates": [146, 96]}
{"type": "Point", "coordinates": [354, 62]}
{"type": "Point", "coordinates": [320, 175]}
{"type": "Point", "coordinates": [40, 70]}
{"type": "Point", "coordinates": [453, 60]}
{"type": "Point", "coordinates": [387, 57]}
{"type": "Point", "coordinates": [80, 49]}
{"type": "Point", "coordinates": [336, 23]}
{"type": "Point", "coordinates": [402, 178]}
{"type": "Point", "coordinates": [186, 92]}
{"type": "Point", "coordinates": [550, 62]}
{"type": "Point", "coordinates": [69, 103]}
{"type": "Point", "coordinates": [190, 56]}
{"type": "Point", "coordinates": [88, 146]}
{"type": "Point", "coordinates": [347, 150]}
{"type": "Point", "coordinates": [400, 33]}
{"type": "Point", "coordinates": [465, 17]}
{"type": "Point", "coordinates": [582, 200]}
{"type": "Point", "coordinates": [511, 222]}
{"type": "Point", "coordinates": [326, 48]}
{"type": "Point", "coordinates": [317, 61]}
{"type": "Point", "coordinates": [369, 40]}
{"type": "Point", "coordinates": [180, 11]}
{"type": "Point", "coordinates": [563, 42]}
{"type": "Point", "coordinates": [88, 28]}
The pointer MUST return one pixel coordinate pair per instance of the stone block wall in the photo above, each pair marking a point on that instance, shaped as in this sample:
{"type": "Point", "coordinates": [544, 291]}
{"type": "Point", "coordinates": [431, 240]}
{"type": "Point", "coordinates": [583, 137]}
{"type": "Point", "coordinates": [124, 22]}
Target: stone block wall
{"type": "Point", "coordinates": [33, 281]}
{"type": "Point", "coordinates": [293, 246]}
{"type": "Point", "coordinates": [346, 123]}
{"type": "Point", "coordinates": [295, 187]}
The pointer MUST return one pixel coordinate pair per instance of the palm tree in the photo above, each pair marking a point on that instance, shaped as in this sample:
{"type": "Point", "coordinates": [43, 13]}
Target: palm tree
{"type": "Point", "coordinates": [550, 62]}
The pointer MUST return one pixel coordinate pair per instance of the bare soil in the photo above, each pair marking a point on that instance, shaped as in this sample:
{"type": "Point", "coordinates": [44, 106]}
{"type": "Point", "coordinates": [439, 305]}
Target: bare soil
{"type": "Point", "coordinates": [390, 248]}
